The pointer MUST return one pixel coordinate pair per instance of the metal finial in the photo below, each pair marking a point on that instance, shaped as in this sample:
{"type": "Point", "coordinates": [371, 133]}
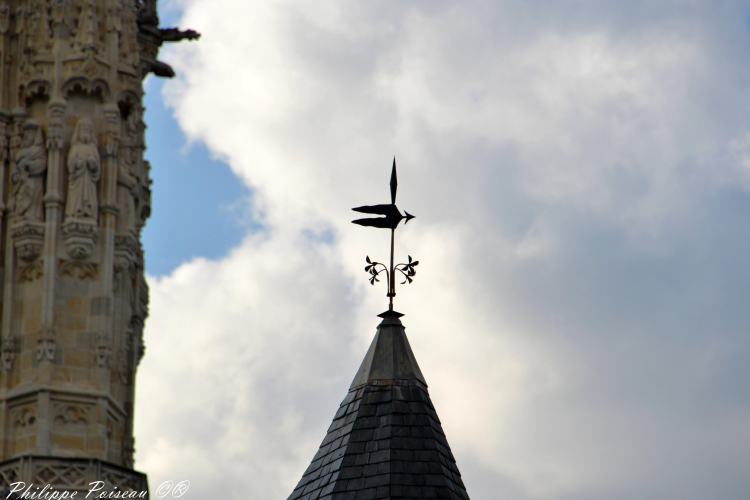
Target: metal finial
{"type": "Point", "coordinates": [392, 218]}
{"type": "Point", "coordinates": [394, 182]}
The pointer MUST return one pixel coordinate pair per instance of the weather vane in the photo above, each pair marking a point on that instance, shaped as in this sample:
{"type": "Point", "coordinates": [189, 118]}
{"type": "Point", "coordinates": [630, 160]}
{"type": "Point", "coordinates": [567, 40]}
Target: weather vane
{"type": "Point", "coordinates": [391, 221]}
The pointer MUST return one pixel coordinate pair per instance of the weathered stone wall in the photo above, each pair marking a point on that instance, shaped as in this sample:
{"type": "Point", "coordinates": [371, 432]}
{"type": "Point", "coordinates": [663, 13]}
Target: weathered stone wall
{"type": "Point", "coordinates": [74, 196]}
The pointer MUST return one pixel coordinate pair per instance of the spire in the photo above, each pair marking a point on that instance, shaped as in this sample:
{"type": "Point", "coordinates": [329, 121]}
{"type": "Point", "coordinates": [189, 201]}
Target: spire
{"type": "Point", "coordinates": [389, 357]}
{"type": "Point", "coordinates": [386, 440]}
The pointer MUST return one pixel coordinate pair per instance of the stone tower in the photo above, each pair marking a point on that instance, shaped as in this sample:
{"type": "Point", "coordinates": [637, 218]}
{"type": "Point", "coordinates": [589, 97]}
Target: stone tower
{"type": "Point", "coordinates": [74, 196]}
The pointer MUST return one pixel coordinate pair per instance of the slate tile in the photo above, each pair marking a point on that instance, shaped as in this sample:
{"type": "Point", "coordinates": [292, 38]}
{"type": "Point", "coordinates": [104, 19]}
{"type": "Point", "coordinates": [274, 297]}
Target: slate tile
{"type": "Point", "coordinates": [403, 455]}
{"type": "Point", "coordinates": [383, 432]}
{"type": "Point", "coordinates": [393, 419]}
{"type": "Point", "coordinates": [434, 480]}
{"type": "Point", "coordinates": [352, 472]}
{"type": "Point", "coordinates": [367, 410]}
{"type": "Point", "coordinates": [353, 406]}
{"type": "Point", "coordinates": [416, 467]}
{"type": "Point", "coordinates": [429, 444]}
{"type": "Point", "coordinates": [420, 432]}
{"type": "Point", "coordinates": [423, 419]}
{"type": "Point", "coordinates": [370, 470]}
{"type": "Point", "coordinates": [426, 456]}
{"type": "Point", "coordinates": [375, 481]}
{"type": "Point", "coordinates": [401, 407]}
{"type": "Point", "coordinates": [349, 398]}
{"type": "Point", "coordinates": [381, 396]}
{"type": "Point", "coordinates": [345, 429]}
{"type": "Point", "coordinates": [366, 423]}
{"type": "Point", "coordinates": [443, 492]}
{"type": "Point", "coordinates": [412, 492]}
{"type": "Point", "coordinates": [327, 489]}
{"type": "Point", "coordinates": [412, 443]}
{"type": "Point", "coordinates": [336, 465]}
{"type": "Point", "coordinates": [349, 495]}
{"type": "Point", "coordinates": [410, 420]}
{"type": "Point", "coordinates": [366, 495]}
{"type": "Point", "coordinates": [362, 435]}
{"type": "Point", "coordinates": [335, 425]}
{"type": "Point", "coordinates": [340, 485]}
{"type": "Point", "coordinates": [384, 409]}
{"type": "Point", "coordinates": [401, 431]}
{"type": "Point", "coordinates": [402, 479]}
{"type": "Point", "coordinates": [355, 484]}
{"type": "Point", "coordinates": [417, 407]}
{"type": "Point", "coordinates": [362, 459]}
{"type": "Point", "coordinates": [382, 492]}
{"type": "Point", "coordinates": [341, 411]}
{"type": "Point", "coordinates": [380, 456]}
{"type": "Point", "coordinates": [322, 451]}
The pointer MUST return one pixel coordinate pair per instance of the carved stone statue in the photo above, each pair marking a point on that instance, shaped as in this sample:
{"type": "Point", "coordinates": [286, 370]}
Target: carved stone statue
{"type": "Point", "coordinates": [28, 175]}
{"type": "Point", "coordinates": [127, 185]}
{"type": "Point", "coordinates": [84, 170]}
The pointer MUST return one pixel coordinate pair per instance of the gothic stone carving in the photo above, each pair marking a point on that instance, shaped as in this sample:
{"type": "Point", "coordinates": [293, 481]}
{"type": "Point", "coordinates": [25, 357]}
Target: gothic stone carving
{"type": "Point", "coordinates": [28, 174]}
{"type": "Point", "coordinates": [23, 416]}
{"type": "Point", "coordinates": [61, 475]}
{"type": "Point", "coordinates": [77, 270]}
{"type": "Point", "coordinates": [84, 170]}
{"type": "Point", "coordinates": [10, 349]}
{"type": "Point", "coordinates": [46, 345]}
{"type": "Point", "coordinates": [28, 239]}
{"type": "Point", "coordinates": [71, 414]}
{"type": "Point", "coordinates": [103, 350]}
{"type": "Point", "coordinates": [122, 365]}
{"type": "Point", "coordinates": [30, 272]}
{"type": "Point", "coordinates": [127, 186]}
{"type": "Point", "coordinates": [80, 237]}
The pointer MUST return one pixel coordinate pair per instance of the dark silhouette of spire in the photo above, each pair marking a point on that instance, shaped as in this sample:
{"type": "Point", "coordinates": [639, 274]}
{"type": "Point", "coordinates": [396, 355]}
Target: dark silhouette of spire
{"type": "Point", "coordinates": [386, 440]}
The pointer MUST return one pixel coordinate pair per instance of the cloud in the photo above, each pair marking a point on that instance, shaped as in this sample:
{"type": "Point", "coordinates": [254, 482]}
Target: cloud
{"type": "Point", "coordinates": [579, 174]}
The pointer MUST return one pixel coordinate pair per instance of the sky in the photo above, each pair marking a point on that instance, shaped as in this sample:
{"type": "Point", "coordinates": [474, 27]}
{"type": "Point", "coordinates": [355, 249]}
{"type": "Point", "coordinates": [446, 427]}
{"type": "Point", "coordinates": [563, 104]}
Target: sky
{"type": "Point", "coordinates": [580, 173]}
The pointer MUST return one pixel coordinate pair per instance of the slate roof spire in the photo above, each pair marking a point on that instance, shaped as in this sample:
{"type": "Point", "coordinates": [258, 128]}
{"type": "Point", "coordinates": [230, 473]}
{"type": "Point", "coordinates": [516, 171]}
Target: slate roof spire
{"type": "Point", "coordinates": [385, 441]}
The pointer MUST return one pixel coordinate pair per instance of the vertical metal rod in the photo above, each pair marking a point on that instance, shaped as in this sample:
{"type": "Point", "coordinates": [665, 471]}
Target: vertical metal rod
{"type": "Point", "coordinates": [392, 291]}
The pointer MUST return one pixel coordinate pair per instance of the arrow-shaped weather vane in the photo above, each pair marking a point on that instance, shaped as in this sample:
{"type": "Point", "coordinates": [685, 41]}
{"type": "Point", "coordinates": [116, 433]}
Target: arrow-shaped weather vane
{"type": "Point", "coordinates": [392, 218]}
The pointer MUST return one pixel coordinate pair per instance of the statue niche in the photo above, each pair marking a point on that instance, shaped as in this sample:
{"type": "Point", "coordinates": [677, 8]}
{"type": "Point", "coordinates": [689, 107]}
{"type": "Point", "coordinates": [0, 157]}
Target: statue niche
{"type": "Point", "coordinates": [81, 206]}
{"type": "Point", "coordinates": [28, 174]}
{"type": "Point", "coordinates": [84, 170]}
{"type": "Point", "coordinates": [27, 181]}
{"type": "Point", "coordinates": [127, 185]}
{"type": "Point", "coordinates": [126, 239]}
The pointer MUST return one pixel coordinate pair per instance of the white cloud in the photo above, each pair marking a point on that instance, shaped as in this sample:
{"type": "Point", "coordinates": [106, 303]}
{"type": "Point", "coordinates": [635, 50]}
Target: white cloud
{"type": "Point", "coordinates": [579, 178]}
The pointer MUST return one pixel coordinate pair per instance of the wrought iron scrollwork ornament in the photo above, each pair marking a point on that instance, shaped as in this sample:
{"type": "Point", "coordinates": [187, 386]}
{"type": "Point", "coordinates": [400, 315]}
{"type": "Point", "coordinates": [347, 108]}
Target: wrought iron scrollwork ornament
{"type": "Point", "coordinates": [392, 218]}
{"type": "Point", "coordinates": [406, 268]}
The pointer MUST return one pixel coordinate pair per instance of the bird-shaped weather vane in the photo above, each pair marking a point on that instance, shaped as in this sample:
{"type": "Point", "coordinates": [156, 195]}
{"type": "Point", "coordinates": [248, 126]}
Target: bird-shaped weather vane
{"type": "Point", "coordinates": [391, 221]}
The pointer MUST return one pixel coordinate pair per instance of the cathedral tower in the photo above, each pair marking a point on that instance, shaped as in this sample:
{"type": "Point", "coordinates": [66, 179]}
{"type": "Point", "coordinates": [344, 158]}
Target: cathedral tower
{"type": "Point", "coordinates": [74, 196]}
